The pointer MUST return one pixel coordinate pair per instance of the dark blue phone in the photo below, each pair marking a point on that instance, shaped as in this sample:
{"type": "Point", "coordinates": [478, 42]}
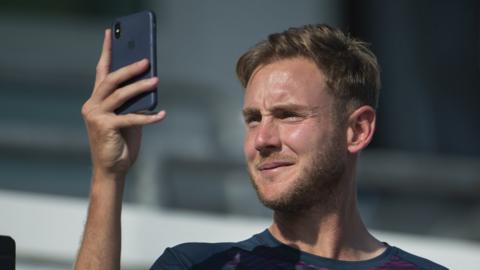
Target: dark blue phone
{"type": "Point", "coordinates": [133, 39]}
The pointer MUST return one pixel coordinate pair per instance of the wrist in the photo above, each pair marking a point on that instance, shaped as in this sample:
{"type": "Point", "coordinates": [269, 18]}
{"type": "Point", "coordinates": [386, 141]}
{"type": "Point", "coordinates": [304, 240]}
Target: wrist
{"type": "Point", "coordinates": [105, 183]}
{"type": "Point", "coordinates": [102, 174]}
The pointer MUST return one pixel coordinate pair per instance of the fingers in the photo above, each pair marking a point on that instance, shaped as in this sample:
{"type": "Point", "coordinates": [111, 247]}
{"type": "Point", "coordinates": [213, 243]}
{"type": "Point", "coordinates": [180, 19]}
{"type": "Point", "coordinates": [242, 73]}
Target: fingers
{"type": "Point", "coordinates": [133, 120]}
{"type": "Point", "coordinates": [106, 97]}
{"type": "Point", "coordinates": [122, 95]}
{"type": "Point", "coordinates": [103, 66]}
{"type": "Point", "coordinates": [114, 79]}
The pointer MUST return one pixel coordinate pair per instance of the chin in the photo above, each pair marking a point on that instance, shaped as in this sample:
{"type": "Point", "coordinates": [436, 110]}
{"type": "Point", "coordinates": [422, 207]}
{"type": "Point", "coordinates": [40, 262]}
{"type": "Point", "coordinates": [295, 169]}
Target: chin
{"type": "Point", "coordinates": [272, 191]}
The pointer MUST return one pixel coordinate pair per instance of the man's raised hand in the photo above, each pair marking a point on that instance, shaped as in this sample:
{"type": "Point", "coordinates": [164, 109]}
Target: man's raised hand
{"type": "Point", "coordinates": [115, 139]}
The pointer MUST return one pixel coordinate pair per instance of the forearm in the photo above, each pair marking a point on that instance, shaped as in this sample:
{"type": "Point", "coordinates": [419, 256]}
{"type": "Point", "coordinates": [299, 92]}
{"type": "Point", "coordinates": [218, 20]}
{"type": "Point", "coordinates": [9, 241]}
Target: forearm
{"type": "Point", "coordinates": [114, 145]}
{"type": "Point", "coordinates": [101, 244]}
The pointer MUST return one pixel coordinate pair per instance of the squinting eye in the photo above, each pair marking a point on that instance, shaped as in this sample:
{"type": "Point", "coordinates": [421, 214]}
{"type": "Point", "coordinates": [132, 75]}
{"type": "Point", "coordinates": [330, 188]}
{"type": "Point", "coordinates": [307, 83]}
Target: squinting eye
{"type": "Point", "coordinates": [288, 115]}
{"type": "Point", "coordinates": [252, 120]}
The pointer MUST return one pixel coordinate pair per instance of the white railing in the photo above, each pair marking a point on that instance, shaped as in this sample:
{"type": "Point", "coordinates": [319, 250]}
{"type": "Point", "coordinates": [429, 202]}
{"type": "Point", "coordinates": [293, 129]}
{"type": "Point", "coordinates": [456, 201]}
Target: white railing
{"type": "Point", "coordinates": [48, 229]}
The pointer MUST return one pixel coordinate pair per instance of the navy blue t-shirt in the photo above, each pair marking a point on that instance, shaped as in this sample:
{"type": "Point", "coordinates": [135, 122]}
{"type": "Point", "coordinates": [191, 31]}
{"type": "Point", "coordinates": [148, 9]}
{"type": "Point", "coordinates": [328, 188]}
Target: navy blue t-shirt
{"type": "Point", "coordinates": [262, 251]}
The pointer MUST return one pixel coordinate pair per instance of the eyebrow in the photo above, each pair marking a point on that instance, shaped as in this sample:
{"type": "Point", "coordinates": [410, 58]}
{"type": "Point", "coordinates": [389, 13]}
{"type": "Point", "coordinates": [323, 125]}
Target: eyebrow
{"type": "Point", "coordinates": [290, 107]}
{"type": "Point", "coordinates": [250, 111]}
{"type": "Point", "coordinates": [281, 107]}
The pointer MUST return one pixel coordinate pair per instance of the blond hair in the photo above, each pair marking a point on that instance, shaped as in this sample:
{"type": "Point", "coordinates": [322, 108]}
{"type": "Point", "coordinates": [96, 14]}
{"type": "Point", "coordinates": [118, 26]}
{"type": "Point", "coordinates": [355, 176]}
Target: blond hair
{"type": "Point", "coordinates": [351, 69]}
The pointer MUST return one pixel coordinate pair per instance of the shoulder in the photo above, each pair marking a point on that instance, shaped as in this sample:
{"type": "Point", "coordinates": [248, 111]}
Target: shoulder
{"type": "Point", "coordinates": [205, 255]}
{"type": "Point", "coordinates": [187, 255]}
{"type": "Point", "coordinates": [194, 252]}
{"type": "Point", "coordinates": [420, 262]}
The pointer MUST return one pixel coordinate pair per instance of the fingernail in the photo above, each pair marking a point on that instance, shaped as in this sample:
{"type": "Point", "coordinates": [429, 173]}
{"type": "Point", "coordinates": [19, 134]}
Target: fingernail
{"type": "Point", "coordinates": [160, 114]}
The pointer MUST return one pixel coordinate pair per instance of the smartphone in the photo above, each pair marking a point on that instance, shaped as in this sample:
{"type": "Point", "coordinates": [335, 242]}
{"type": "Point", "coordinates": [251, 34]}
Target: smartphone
{"type": "Point", "coordinates": [133, 39]}
{"type": "Point", "coordinates": [7, 253]}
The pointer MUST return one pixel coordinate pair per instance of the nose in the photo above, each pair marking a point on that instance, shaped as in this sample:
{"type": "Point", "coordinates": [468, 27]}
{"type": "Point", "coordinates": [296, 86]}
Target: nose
{"type": "Point", "coordinates": [267, 138]}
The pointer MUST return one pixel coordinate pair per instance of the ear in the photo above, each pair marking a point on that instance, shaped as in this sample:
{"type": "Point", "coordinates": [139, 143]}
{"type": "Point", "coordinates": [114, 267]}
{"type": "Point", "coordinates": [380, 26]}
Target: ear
{"type": "Point", "coordinates": [360, 129]}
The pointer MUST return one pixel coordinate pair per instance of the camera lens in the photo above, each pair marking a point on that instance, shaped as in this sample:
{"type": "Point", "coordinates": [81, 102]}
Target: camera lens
{"type": "Point", "coordinates": [117, 30]}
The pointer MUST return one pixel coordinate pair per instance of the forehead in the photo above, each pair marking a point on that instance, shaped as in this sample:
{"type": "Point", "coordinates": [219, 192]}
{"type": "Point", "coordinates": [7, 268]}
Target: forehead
{"type": "Point", "coordinates": [295, 80]}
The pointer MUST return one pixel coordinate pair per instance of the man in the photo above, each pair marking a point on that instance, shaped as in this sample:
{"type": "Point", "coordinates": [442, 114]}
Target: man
{"type": "Point", "coordinates": [309, 109]}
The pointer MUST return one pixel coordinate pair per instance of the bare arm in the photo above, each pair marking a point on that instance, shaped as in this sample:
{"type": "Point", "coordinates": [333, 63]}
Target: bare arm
{"type": "Point", "coordinates": [114, 145]}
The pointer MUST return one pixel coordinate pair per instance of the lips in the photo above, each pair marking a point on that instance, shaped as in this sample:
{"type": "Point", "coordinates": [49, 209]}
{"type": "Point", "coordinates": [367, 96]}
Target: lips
{"type": "Point", "coordinates": [270, 165]}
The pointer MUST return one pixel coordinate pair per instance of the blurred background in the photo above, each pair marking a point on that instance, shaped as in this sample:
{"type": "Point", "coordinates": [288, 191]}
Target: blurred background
{"type": "Point", "coordinates": [419, 181]}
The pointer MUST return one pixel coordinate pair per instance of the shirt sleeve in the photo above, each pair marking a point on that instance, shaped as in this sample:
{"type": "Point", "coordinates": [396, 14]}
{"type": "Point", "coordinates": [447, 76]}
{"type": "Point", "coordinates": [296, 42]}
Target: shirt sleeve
{"type": "Point", "coordinates": [168, 261]}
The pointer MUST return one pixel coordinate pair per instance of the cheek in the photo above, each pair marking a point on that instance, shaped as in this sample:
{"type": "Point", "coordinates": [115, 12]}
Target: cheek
{"type": "Point", "coordinates": [249, 146]}
{"type": "Point", "coordinates": [300, 138]}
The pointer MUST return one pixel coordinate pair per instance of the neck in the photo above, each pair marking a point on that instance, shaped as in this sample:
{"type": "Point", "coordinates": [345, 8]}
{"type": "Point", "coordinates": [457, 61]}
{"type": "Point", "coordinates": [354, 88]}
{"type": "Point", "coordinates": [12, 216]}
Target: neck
{"type": "Point", "coordinates": [332, 229]}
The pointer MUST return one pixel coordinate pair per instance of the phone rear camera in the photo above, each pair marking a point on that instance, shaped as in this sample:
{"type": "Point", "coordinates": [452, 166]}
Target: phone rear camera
{"type": "Point", "coordinates": [117, 30]}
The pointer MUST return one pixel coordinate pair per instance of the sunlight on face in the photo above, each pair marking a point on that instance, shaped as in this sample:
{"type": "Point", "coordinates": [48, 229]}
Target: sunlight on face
{"type": "Point", "coordinates": [293, 149]}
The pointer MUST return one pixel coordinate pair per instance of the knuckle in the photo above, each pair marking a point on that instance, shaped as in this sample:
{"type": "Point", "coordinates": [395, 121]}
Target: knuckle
{"type": "Point", "coordinates": [101, 67]}
{"type": "Point", "coordinates": [132, 120]}
{"type": "Point", "coordinates": [90, 113]}
{"type": "Point", "coordinates": [111, 79]}
{"type": "Point", "coordinates": [85, 109]}
{"type": "Point", "coordinates": [108, 79]}
{"type": "Point", "coordinates": [119, 95]}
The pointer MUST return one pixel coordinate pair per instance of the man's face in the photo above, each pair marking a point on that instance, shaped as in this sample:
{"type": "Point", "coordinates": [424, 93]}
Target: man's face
{"type": "Point", "coordinates": [295, 152]}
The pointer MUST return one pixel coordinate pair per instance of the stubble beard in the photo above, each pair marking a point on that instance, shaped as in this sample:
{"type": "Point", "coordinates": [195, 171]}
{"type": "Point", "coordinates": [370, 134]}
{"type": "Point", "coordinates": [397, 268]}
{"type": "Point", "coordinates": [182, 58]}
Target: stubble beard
{"type": "Point", "coordinates": [316, 185]}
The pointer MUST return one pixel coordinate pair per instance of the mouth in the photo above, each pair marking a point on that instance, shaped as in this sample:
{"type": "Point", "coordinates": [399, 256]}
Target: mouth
{"type": "Point", "coordinates": [272, 165]}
